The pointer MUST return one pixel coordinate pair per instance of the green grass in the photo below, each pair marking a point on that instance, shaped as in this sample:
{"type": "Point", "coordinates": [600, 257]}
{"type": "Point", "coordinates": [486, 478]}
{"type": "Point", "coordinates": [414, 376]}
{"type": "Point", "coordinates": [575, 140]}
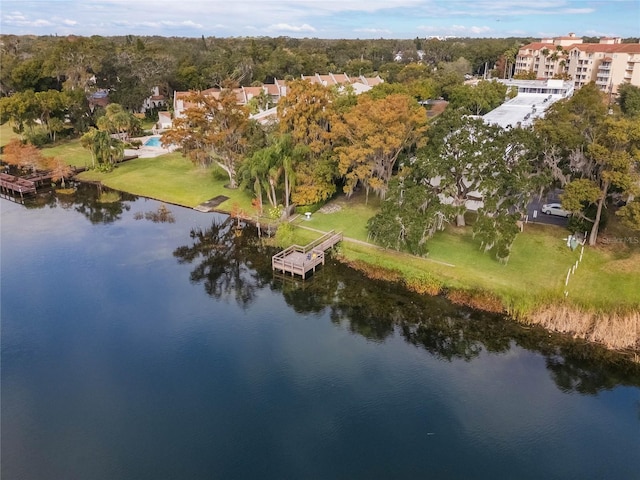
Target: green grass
{"type": "Point", "coordinates": [70, 151]}
{"type": "Point", "coordinates": [6, 134]}
{"type": "Point", "coordinates": [534, 275]}
{"type": "Point", "coordinates": [171, 178]}
{"type": "Point", "coordinates": [350, 219]}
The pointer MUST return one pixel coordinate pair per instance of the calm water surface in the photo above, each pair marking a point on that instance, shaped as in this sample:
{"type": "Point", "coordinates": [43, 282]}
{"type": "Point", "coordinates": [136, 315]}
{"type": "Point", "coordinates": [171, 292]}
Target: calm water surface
{"type": "Point", "coordinates": [134, 348]}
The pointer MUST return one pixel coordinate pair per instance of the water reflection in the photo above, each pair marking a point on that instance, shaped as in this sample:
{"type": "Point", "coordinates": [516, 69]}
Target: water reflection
{"type": "Point", "coordinates": [225, 258]}
{"type": "Point", "coordinates": [100, 205]}
{"type": "Point", "coordinates": [161, 215]}
{"type": "Point", "coordinates": [231, 261]}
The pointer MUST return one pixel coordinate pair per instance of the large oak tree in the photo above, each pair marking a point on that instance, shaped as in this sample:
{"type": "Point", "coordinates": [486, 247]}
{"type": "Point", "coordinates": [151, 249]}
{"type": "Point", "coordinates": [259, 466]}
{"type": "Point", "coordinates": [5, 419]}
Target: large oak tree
{"type": "Point", "coordinates": [213, 129]}
{"type": "Point", "coordinates": [306, 114]}
{"type": "Point", "coordinates": [372, 135]}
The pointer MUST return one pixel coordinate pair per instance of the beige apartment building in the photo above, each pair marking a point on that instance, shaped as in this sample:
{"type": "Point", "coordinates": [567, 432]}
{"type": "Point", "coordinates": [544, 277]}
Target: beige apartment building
{"type": "Point", "coordinates": [609, 63]}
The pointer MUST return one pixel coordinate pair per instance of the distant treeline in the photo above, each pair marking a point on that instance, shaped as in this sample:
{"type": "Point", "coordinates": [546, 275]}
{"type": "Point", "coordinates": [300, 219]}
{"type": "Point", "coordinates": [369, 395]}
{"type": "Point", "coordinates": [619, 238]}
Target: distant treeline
{"type": "Point", "coordinates": [40, 63]}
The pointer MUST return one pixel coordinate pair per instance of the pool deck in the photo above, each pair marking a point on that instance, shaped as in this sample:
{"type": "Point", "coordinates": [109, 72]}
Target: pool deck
{"type": "Point", "coordinates": [146, 151]}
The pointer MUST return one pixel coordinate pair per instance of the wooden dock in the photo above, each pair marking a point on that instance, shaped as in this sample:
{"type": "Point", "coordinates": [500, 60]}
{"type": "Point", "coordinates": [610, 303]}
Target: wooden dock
{"type": "Point", "coordinates": [298, 260]}
{"type": "Point", "coordinates": [17, 185]}
{"type": "Point", "coordinates": [29, 184]}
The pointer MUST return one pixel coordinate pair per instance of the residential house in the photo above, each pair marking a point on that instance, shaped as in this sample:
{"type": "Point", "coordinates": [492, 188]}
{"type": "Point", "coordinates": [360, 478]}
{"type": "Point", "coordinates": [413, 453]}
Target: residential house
{"type": "Point", "coordinates": [154, 101]}
{"type": "Point", "coordinates": [278, 89]}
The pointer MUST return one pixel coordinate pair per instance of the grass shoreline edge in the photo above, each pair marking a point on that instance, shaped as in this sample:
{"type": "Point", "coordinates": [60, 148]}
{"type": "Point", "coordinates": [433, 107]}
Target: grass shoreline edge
{"type": "Point", "coordinates": [591, 323]}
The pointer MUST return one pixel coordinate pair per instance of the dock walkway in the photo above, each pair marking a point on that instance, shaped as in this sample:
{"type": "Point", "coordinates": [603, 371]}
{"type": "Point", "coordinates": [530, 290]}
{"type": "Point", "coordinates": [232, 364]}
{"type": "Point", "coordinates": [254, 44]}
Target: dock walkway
{"type": "Point", "coordinates": [300, 260]}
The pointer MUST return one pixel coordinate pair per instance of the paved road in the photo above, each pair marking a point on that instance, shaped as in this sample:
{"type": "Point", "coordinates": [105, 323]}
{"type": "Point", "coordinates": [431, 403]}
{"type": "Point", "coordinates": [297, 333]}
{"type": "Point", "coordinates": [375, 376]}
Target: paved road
{"type": "Point", "coordinates": [534, 210]}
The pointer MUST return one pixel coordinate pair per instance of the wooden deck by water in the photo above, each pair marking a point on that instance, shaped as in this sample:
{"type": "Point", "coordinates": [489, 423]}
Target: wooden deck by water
{"type": "Point", "coordinates": [17, 185]}
{"type": "Point", "coordinates": [29, 184]}
{"type": "Point", "coordinates": [298, 260]}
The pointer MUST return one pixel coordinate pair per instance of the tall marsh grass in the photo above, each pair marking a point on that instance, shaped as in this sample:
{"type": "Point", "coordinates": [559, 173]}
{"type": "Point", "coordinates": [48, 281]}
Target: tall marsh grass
{"type": "Point", "coordinates": [616, 330]}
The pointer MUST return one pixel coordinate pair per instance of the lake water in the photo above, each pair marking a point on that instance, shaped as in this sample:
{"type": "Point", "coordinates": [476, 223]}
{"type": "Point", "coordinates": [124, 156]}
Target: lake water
{"type": "Point", "coordinates": [137, 348]}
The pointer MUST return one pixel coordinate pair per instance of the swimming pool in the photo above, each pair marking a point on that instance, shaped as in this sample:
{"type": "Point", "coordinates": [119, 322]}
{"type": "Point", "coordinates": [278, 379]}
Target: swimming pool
{"type": "Point", "coordinates": [152, 142]}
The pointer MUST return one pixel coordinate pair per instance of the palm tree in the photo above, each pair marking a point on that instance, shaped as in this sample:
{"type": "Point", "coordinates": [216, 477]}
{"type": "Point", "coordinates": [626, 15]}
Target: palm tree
{"type": "Point", "coordinates": [87, 142]}
{"type": "Point", "coordinates": [102, 147]}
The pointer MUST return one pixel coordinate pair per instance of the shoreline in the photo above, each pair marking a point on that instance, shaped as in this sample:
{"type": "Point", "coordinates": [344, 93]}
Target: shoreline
{"type": "Point", "coordinates": [617, 331]}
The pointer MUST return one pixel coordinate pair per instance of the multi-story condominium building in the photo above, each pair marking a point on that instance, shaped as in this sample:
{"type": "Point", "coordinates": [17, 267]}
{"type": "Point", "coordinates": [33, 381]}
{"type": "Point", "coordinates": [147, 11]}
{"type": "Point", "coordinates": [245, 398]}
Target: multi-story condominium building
{"type": "Point", "coordinates": [609, 63]}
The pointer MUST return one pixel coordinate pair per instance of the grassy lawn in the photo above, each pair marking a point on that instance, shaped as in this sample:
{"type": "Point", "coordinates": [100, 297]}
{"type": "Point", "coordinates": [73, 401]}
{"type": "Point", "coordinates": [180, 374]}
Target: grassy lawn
{"type": "Point", "coordinates": [171, 178]}
{"type": "Point", "coordinates": [535, 273]}
{"type": "Point", "coordinates": [6, 134]}
{"type": "Point", "coordinates": [350, 217]}
{"type": "Point", "coordinates": [71, 152]}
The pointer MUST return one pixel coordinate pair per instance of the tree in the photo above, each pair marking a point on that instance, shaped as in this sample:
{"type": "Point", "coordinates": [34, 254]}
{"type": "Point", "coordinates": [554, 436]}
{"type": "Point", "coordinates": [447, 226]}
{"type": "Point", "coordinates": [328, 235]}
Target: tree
{"type": "Point", "coordinates": [461, 155]}
{"type": "Point", "coordinates": [409, 216]}
{"type": "Point", "coordinates": [60, 170]}
{"type": "Point", "coordinates": [372, 136]}
{"type": "Point", "coordinates": [213, 129]}
{"type": "Point", "coordinates": [23, 155]}
{"type": "Point", "coordinates": [413, 72]}
{"type": "Point", "coordinates": [630, 215]}
{"type": "Point", "coordinates": [52, 106]}
{"type": "Point", "coordinates": [528, 75]}
{"type": "Point", "coordinates": [590, 152]}
{"type": "Point", "coordinates": [629, 99]}
{"type": "Point", "coordinates": [260, 102]}
{"type": "Point", "coordinates": [305, 114]}
{"type": "Point", "coordinates": [263, 170]}
{"type": "Point", "coordinates": [106, 151]}
{"type": "Point", "coordinates": [479, 99]}
{"type": "Point", "coordinates": [118, 121]}
{"type": "Point", "coordinates": [615, 156]}
{"type": "Point", "coordinates": [507, 190]}
{"type": "Point", "coordinates": [464, 158]}
{"type": "Point", "coordinates": [73, 59]}
{"type": "Point", "coordinates": [21, 110]}
{"type": "Point", "coordinates": [504, 65]}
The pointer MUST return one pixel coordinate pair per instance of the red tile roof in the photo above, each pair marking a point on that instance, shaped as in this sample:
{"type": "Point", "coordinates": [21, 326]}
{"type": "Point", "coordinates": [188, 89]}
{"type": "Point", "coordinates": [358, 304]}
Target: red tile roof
{"type": "Point", "coordinates": [608, 47]}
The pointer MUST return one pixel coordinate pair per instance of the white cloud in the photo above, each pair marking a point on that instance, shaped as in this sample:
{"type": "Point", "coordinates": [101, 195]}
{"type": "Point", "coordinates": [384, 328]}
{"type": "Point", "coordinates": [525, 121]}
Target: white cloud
{"type": "Point", "coordinates": [333, 18]}
{"type": "Point", "coordinates": [457, 30]}
{"type": "Point", "coordinates": [285, 27]}
{"type": "Point", "coordinates": [373, 30]}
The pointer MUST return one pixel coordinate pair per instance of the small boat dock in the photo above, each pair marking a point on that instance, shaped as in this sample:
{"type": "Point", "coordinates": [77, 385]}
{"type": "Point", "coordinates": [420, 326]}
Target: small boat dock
{"type": "Point", "coordinates": [298, 260]}
{"type": "Point", "coordinates": [17, 185]}
{"type": "Point", "coordinates": [29, 184]}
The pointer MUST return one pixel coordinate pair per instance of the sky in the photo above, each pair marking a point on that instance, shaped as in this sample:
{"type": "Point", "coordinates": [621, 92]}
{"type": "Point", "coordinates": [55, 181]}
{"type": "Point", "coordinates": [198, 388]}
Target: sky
{"type": "Point", "coordinates": [322, 18]}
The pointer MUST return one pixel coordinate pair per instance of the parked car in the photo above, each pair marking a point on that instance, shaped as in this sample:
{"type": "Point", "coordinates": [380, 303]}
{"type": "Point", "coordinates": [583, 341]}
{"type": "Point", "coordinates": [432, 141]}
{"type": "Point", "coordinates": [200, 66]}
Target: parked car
{"type": "Point", "coordinates": [555, 209]}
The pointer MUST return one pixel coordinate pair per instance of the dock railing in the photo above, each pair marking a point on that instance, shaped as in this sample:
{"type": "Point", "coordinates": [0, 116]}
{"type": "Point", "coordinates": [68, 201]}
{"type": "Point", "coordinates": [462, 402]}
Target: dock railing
{"type": "Point", "coordinates": [299, 260]}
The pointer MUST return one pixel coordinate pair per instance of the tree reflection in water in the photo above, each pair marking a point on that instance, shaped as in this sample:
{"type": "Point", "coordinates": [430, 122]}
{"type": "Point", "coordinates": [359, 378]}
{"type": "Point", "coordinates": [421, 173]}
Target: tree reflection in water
{"type": "Point", "coordinates": [232, 261]}
{"type": "Point", "coordinates": [85, 200]}
{"type": "Point", "coordinates": [223, 262]}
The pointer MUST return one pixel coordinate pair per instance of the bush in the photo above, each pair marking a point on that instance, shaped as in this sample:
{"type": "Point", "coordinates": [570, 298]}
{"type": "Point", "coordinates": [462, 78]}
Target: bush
{"type": "Point", "coordinates": [38, 138]}
{"type": "Point", "coordinates": [284, 235]}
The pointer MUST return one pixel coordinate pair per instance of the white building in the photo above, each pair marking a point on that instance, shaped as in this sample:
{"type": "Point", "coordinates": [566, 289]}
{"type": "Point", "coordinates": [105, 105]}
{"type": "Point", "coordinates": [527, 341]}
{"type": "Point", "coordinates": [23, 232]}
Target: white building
{"type": "Point", "coordinates": [609, 63]}
{"type": "Point", "coordinates": [532, 101]}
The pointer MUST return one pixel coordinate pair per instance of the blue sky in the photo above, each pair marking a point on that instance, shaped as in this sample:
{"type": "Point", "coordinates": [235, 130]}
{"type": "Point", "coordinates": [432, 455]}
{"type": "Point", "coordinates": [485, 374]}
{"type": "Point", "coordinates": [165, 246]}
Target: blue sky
{"type": "Point", "coordinates": [322, 18]}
